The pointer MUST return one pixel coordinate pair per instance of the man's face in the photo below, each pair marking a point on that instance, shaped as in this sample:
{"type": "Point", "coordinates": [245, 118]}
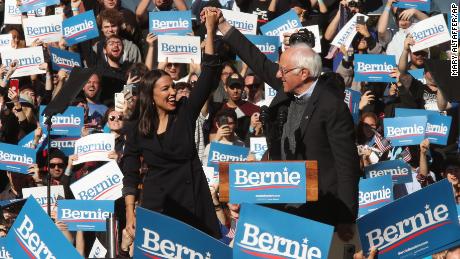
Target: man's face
{"type": "Point", "coordinates": [453, 174]}
{"type": "Point", "coordinates": [234, 92]}
{"type": "Point", "coordinates": [418, 58]}
{"type": "Point", "coordinates": [163, 4]}
{"type": "Point", "coordinates": [226, 72]}
{"type": "Point", "coordinates": [110, 4]}
{"type": "Point", "coordinates": [91, 87]}
{"type": "Point", "coordinates": [289, 73]}
{"type": "Point", "coordinates": [56, 167]}
{"type": "Point", "coordinates": [109, 29]}
{"type": "Point", "coordinates": [114, 49]}
{"type": "Point", "coordinates": [173, 69]}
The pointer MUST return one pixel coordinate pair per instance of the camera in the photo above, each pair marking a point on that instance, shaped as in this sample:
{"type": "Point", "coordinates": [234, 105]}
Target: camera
{"type": "Point", "coordinates": [303, 36]}
{"type": "Point", "coordinates": [355, 3]}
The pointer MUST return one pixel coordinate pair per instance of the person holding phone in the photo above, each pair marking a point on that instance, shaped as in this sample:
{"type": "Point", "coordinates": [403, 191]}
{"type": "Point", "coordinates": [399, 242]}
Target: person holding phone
{"type": "Point", "coordinates": [174, 183]}
{"type": "Point", "coordinates": [226, 122]}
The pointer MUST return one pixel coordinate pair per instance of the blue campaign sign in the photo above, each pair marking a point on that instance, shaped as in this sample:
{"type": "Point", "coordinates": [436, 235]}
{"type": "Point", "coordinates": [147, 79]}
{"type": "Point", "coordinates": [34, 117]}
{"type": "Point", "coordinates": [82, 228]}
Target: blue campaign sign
{"type": "Point", "coordinates": [85, 215]}
{"type": "Point", "coordinates": [80, 28]}
{"type": "Point", "coordinates": [352, 99]}
{"type": "Point", "coordinates": [260, 229]}
{"type": "Point", "coordinates": [422, 5]}
{"type": "Point", "coordinates": [437, 128]}
{"type": "Point", "coordinates": [405, 131]}
{"type": "Point", "coordinates": [374, 67]}
{"type": "Point", "coordinates": [404, 112]}
{"type": "Point", "coordinates": [267, 182]}
{"type": "Point", "coordinates": [31, 5]}
{"type": "Point", "coordinates": [413, 226]}
{"type": "Point", "coordinates": [66, 60]}
{"type": "Point", "coordinates": [159, 236]}
{"type": "Point", "coordinates": [400, 171]}
{"type": "Point", "coordinates": [219, 152]}
{"type": "Point", "coordinates": [34, 235]}
{"type": "Point", "coordinates": [418, 74]}
{"type": "Point", "coordinates": [28, 139]}
{"type": "Point", "coordinates": [16, 158]}
{"type": "Point", "coordinates": [4, 253]}
{"type": "Point", "coordinates": [287, 21]}
{"type": "Point", "coordinates": [267, 45]}
{"type": "Point", "coordinates": [374, 193]}
{"type": "Point", "coordinates": [68, 123]}
{"type": "Point", "coordinates": [64, 143]}
{"type": "Point", "coordinates": [170, 22]}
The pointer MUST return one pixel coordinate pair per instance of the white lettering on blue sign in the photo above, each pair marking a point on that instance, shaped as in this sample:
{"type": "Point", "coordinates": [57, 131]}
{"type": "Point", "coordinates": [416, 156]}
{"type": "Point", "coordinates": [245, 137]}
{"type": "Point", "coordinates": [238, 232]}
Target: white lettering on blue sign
{"type": "Point", "coordinates": [65, 62]}
{"type": "Point", "coordinates": [165, 248]}
{"type": "Point", "coordinates": [290, 24]}
{"type": "Point", "coordinates": [95, 191]}
{"type": "Point", "coordinates": [217, 156]}
{"type": "Point", "coordinates": [363, 67]}
{"type": "Point", "coordinates": [264, 242]}
{"type": "Point", "coordinates": [427, 33]}
{"type": "Point", "coordinates": [15, 158]}
{"type": "Point", "coordinates": [59, 121]}
{"type": "Point", "coordinates": [403, 131]}
{"type": "Point", "coordinates": [392, 171]}
{"type": "Point", "coordinates": [178, 49]}
{"type": "Point", "coordinates": [266, 48]}
{"type": "Point", "coordinates": [32, 241]}
{"type": "Point", "coordinates": [4, 254]}
{"type": "Point", "coordinates": [60, 143]}
{"type": "Point", "coordinates": [245, 179]}
{"type": "Point", "coordinates": [165, 25]}
{"type": "Point", "coordinates": [78, 28]}
{"type": "Point", "coordinates": [373, 196]}
{"type": "Point", "coordinates": [406, 227]}
{"type": "Point", "coordinates": [436, 129]}
{"type": "Point", "coordinates": [84, 214]}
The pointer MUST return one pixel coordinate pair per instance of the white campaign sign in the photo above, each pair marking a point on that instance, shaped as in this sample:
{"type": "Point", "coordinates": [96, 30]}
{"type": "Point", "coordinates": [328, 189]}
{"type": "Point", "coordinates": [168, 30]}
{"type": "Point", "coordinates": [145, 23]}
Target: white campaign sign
{"type": "Point", "coordinates": [13, 14]}
{"type": "Point", "coordinates": [40, 194]}
{"type": "Point", "coordinates": [29, 60]}
{"type": "Point", "coordinates": [98, 250]}
{"type": "Point", "coordinates": [5, 42]}
{"type": "Point", "coordinates": [270, 94]}
{"type": "Point", "coordinates": [314, 29]}
{"type": "Point", "coordinates": [104, 183]}
{"type": "Point", "coordinates": [46, 28]}
{"type": "Point", "coordinates": [179, 49]}
{"type": "Point", "coordinates": [94, 147]}
{"type": "Point", "coordinates": [211, 176]}
{"type": "Point", "coordinates": [347, 33]}
{"type": "Point", "coordinates": [258, 146]}
{"type": "Point", "coordinates": [429, 32]}
{"type": "Point", "coordinates": [246, 23]}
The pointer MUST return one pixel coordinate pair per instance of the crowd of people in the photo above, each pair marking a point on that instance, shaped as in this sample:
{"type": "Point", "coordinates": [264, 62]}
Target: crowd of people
{"type": "Point", "coordinates": [171, 112]}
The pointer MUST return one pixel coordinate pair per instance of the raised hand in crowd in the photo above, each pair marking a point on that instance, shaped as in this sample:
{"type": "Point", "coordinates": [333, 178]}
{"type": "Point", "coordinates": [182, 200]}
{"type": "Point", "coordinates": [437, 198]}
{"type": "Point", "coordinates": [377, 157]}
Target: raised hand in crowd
{"type": "Point", "coordinates": [113, 155]}
{"type": "Point", "coordinates": [372, 254]}
{"type": "Point", "coordinates": [366, 99]}
{"type": "Point", "coordinates": [409, 41]}
{"type": "Point", "coordinates": [69, 168]}
{"type": "Point", "coordinates": [9, 72]}
{"type": "Point", "coordinates": [133, 79]}
{"type": "Point", "coordinates": [34, 171]}
{"type": "Point", "coordinates": [223, 132]}
{"type": "Point", "coordinates": [75, 5]}
{"type": "Point", "coordinates": [256, 124]}
{"type": "Point", "coordinates": [150, 39]}
{"type": "Point", "coordinates": [363, 30]}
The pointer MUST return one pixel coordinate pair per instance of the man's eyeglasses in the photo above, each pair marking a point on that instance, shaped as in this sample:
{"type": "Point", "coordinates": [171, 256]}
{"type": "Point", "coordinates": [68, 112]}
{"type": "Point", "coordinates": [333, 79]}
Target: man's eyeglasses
{"type": "Point", "coordinates": [111, 43]}
{"type": "Point", "coordinates": [59, 165]}
{"type": "Point", "coordinates": [113, 117]}
{"type": "Point", "coordinates": [284, 71]}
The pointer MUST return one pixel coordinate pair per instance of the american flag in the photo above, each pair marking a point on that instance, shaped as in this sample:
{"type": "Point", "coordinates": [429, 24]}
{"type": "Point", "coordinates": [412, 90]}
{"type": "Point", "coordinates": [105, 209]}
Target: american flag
{"type": "Point", "coordinates": [382, 143]}
{"type": "Point", "coordinates": [405, 155]}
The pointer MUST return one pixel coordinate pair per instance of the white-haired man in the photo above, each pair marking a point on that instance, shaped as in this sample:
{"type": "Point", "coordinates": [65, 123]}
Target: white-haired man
{"type": "Point", "coordinates": [319, 127]}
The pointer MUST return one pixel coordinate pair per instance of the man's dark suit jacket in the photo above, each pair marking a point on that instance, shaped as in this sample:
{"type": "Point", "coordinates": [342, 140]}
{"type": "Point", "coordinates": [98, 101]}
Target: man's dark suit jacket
{"type": "Point", "coordinates": [326, 134]}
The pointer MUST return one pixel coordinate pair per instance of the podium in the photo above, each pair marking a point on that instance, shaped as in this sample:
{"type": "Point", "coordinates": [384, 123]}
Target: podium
{"type": "Point", "coordinates": [311, 179]}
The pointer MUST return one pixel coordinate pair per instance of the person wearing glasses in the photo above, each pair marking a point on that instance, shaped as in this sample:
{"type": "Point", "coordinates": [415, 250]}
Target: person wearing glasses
{"type": "Point", "coordinates": [318, 127]}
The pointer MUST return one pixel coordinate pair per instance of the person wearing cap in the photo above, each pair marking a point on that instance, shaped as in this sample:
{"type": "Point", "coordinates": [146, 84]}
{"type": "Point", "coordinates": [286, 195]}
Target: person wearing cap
{"type": "Point", "coordinates": [244, 110]}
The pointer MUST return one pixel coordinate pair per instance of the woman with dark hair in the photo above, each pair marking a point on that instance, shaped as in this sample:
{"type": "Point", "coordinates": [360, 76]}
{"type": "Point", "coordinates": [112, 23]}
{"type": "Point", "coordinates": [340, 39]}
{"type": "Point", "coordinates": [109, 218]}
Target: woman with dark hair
{"type": "Point", "coordinates": [164, 136]}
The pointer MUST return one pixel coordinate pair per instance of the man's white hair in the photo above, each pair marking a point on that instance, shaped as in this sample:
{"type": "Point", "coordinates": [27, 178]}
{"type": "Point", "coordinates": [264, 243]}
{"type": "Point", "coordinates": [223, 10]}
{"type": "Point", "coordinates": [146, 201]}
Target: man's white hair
{"type": "Point", "coordinates": [304, 56]}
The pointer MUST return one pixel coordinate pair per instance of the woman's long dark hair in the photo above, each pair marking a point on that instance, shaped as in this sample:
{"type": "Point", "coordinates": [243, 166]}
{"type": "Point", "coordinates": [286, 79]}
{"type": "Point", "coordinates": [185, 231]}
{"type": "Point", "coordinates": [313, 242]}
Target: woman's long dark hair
{"type": "Point", "coordinates": [148, 117]}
